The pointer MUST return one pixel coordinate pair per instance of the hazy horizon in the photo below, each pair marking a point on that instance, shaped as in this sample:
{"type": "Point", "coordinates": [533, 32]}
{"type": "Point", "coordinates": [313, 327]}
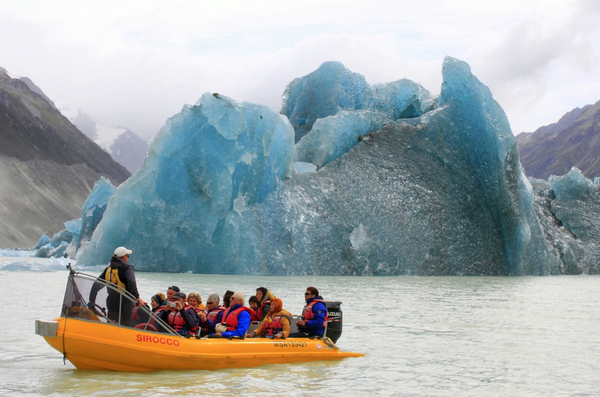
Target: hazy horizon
{"type": "Point", "coordinates": [136, 64]}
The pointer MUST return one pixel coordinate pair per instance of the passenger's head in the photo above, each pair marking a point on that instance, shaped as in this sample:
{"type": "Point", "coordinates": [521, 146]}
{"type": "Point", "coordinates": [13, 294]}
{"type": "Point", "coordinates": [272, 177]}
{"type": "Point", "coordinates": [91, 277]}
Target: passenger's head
{"type": "Point", "coordinates": [123, 253]}
{"type": "Point", "coordinates": [212, 302]}
{"type": "Point", "coordinates": [311, 292]}
{"type": "Point", "coordinates": [237, 299]}
{"type": "Point", "coordinates": [178, 296]}
{"type": "Point", "coordinates": [261, 294]}
{"type": "Point", "coordinates": [276, 305]}
{"type": "Point", "coordinates": [171, 291]}
{"type": "Point", "coordinates": [157, 300]}
{"type": "Point", "coordinates": [194, 299]}
{"type": "Point", "coordinates": [227, 298]}
{"type": "Point", "coordinates": [253, 302]}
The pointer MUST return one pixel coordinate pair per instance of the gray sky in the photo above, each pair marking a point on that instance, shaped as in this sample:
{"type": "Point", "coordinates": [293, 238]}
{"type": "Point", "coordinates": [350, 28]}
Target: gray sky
{"type": "Point", "coordinates": [136, 63]}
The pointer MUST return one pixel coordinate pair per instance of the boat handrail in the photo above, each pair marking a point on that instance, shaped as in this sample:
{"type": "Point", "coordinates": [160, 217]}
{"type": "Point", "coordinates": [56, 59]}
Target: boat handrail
{"type": "Point", "coordinates": [127, 294]}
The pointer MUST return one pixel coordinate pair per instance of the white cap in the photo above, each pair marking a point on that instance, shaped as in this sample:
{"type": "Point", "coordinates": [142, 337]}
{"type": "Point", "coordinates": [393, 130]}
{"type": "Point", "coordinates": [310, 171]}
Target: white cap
{"type": "Point", "coordinates": [121, 252]}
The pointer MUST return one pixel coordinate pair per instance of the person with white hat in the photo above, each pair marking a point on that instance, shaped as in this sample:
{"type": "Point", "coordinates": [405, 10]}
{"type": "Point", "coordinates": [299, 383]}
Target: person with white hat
{"type": "Point", "coordinates": [122, 275]}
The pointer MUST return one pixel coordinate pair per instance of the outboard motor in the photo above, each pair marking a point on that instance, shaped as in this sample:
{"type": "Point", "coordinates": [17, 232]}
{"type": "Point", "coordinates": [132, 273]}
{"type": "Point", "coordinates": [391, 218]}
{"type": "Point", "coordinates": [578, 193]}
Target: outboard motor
{"type": "Point", "coordinates": [334, 321]}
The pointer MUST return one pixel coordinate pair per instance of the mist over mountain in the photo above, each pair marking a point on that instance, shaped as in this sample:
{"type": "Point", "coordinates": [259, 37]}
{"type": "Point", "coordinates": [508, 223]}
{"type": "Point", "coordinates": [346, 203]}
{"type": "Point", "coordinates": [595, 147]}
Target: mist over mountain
{"type": "Point", "coordinates": [573, 141]}
{"type": "Point", "coordinates": [123, 145]}
{"type": "Point", "coordinates": [47, 166]}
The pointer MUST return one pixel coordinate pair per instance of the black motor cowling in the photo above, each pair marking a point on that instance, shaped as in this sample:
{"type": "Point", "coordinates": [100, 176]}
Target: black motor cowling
{"type": "Point", "coordinates": [334, 320]}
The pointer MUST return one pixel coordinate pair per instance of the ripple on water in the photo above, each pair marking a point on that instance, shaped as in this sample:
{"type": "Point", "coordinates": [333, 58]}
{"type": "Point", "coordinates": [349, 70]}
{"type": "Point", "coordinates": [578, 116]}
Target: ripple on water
{"type": "Point", "coordinates": [422, 336]}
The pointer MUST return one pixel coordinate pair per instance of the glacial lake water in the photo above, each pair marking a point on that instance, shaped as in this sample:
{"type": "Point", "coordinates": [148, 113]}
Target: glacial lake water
{"type": "Point", "coordinates": [421, 336]}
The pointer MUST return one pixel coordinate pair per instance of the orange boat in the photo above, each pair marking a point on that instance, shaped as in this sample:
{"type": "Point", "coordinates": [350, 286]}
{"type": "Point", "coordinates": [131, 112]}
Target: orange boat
{"type": "Point", "coordinates": [89, 340]}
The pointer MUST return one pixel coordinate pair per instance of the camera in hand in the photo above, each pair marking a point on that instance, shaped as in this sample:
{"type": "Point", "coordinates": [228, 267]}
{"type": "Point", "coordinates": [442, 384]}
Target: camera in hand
{"type": "Point", "coordinates": [173, 304]}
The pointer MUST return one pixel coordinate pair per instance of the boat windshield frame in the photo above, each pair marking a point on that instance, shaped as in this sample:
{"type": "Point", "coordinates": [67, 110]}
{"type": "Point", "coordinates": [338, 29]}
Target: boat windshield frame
{"type": "Point", "coordinates": [76, 304]}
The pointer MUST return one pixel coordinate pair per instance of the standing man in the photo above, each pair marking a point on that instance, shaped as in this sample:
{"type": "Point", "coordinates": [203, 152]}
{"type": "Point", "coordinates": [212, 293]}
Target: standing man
{"type": "Point", "coordinates": [122, 275]}
{"type": "Point", "coordinates": [314, 315]}
{"type": "Point", "coordinates": [236, 317]}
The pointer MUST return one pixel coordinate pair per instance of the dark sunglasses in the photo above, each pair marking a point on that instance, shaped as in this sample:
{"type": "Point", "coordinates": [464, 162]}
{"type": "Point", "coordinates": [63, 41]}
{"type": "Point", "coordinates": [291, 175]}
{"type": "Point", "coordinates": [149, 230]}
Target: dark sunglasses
{"type": "Point", "coordinates": [307, 294]}
{"type": "Point", "coordinates": [209, 303]}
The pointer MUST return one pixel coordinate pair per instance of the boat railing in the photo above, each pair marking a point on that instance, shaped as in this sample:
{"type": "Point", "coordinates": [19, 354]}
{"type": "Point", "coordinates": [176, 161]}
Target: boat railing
{"type": "Point", "coordinates": [79, 302]}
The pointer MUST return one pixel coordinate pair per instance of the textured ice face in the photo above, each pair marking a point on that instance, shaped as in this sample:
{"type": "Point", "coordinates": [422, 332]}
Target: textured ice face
{"type": "Point", "coordinates": [577, 204]}
{"type": "Point", "coordinates": [402, 99]}
{"type": "Point", "coordinates": [441, 193]}
{"type": "Point", "coordinates": [483, 130]}
{"type": "Point", "coordinates": [323, 93]}
{"type": "Point", "coordinates": [332, 108]}
{"type": "Point", "coordinates": [332, 136]}
{"type": "Point", "coordinates": [206, 166]}
{"type": "Point", "coordinates": [93, 210]}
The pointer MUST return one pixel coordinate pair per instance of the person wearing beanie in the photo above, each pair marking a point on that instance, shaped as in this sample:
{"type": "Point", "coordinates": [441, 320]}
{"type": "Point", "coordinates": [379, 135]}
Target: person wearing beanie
{"type": "Point", "coordinates": [171, 291]}
{"type": "Point", "coordinates": [122, 276]}
{"type": "Point", "coordinates": [158, 302]}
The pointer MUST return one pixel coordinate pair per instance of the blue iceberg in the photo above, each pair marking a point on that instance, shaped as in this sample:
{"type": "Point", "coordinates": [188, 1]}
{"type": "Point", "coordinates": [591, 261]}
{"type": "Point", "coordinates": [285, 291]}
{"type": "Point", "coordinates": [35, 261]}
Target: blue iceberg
{"type": "Point", "coordinates": [333, 136]}
{"type": "Point", "coordinates": [93, 211]}
{"type": "Point", "coordinates": [205, 168]}
{"type": "Point", "coordinates": [323, 93]}
{"type": "Point", "coordinates": [407, 184]}
{"type": "Point", "coordinates": [402, 99]}
{"type": "Point", "coordinates": [57, 246]}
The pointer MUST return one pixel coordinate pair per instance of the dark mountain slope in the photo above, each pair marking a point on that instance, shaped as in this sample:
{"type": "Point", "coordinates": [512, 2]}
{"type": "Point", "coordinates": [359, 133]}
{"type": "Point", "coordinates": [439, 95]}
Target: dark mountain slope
{"type": "Point", "coordinates": [574, 141]}
{"type": "Point", "coordinates": [32, 128]}
{"type": "Point", "coordinates": [47, 166]}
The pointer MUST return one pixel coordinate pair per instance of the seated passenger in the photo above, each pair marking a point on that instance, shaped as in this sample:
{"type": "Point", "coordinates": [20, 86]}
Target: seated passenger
{"type": "Point", "coordinates": [253, 306]}
{"type": "Point", "coordinates": [180, 316]}
{"type": "Point", "coordinates": [227, 298]}
{"type": "Point", "coordinates": [276, 323]}
{"type": "Point", "coordinates": [212, 315]}
{"type": "Point", "coordinates": [195, 301]}
{"type": "Point", "coordinates": [263, 296]}
{"type": "Point", "coordinates": [314, 315]}
{"type": "Point", "coordinates": [236, 318]}
{"type": "Point", "coordinates": [170, 292]}
{"type": "Point", "coordinates": [158, 302]}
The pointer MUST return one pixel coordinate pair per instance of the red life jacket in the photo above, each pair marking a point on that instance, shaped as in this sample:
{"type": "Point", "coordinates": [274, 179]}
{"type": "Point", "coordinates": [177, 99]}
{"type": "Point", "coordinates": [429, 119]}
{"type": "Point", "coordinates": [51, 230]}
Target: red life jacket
{"type": "Point", "coordinates": [260, 310]}
{"type": "Point", "coordinates": [307, 313]}
{"type": "Point", "coordinates": [275, 326]}
{"type": "Point", "coordinates": [253, 315]}
{"type": "Point", "coordinates": [212, 316]}
{"type": "Point", "coordinates": [230, 317]}
{"type": "Point", "coordinates": [176, 320]}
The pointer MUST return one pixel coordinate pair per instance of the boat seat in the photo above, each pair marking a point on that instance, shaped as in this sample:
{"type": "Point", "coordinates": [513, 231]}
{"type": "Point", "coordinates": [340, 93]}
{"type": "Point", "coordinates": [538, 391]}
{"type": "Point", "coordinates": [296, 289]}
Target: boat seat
{"type": "Point", "coordinates": [294, 327]}
{"type": "Point", "coordinates": [253, 326]}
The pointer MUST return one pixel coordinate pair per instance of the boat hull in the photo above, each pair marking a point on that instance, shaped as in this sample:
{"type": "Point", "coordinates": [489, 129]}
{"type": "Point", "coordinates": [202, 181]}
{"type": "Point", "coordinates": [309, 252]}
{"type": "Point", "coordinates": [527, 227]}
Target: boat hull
{"type": "Point", "coordinates": [91, 345]}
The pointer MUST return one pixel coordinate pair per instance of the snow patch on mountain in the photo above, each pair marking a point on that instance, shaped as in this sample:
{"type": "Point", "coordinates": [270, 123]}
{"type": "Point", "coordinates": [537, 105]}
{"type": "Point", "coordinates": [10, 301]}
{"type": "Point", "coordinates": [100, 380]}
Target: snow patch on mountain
{"type": "Point", "coordinates": [124, 146]}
